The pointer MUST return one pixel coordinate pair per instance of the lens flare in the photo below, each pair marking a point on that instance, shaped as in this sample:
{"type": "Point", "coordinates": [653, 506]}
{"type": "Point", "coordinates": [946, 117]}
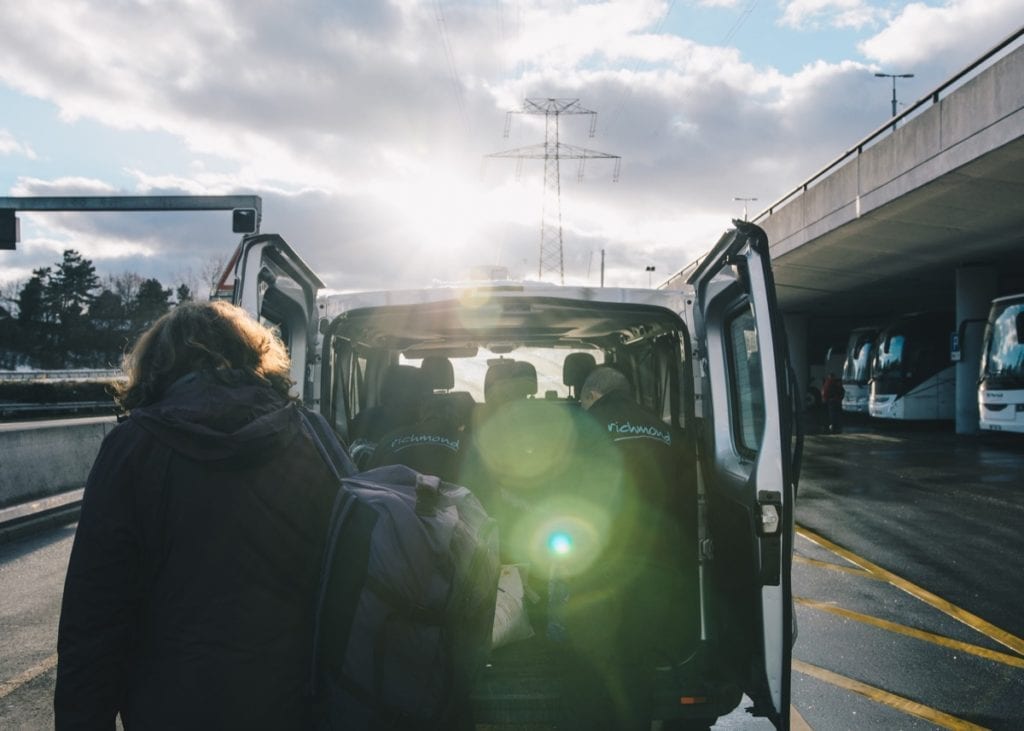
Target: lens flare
{"type": "Point", "coordinates": [560, 544]}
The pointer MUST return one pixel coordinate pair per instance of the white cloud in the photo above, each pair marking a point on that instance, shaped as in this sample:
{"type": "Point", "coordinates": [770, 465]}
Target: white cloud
{"type": "Point", "coordinates": [62, 186]}
{"type": "Point", "coordinates": [805, 14]}
{"type": "Point", "coordinates": [363, 126]}
{"type": "Point", "coordinates": [10, 146]}
{"type": "Point", "coordinates": [951, 34]}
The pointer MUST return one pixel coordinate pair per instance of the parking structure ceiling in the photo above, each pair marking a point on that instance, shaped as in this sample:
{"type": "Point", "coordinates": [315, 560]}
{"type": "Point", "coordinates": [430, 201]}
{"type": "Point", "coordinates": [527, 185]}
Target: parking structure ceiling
{"type": "Point", "coordinates": [903, 256]}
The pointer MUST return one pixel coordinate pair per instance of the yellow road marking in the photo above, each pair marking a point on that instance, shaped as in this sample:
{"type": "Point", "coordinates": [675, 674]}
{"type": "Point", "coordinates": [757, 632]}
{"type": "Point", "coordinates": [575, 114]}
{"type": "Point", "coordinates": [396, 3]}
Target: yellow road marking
{"type": "Point", "coordinates": [796, 721]}
{"type": "Point", "coordinates": [9, 686]}
{"type": "Point", "coordinates": [971, 620]}
{"type": "Point", "coordinates": [892, 700]}
{"type": "Point", "coordinates": [966, 647]}
{"type": "Point", "coordinates": [836, 567]}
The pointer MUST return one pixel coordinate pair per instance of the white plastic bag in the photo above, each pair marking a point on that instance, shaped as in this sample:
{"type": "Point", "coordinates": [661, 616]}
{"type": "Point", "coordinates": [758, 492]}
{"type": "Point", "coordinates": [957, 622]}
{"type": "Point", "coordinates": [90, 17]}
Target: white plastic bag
{"type": "Point", "coordinates": [511, 623]}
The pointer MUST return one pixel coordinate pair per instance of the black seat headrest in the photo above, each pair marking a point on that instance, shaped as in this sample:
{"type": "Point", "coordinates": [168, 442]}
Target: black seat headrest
{"type": "Point", "coordinates": [575, 369]}
{"type": "Point", "coordinates": [439, 372]}
{"type": "Point", "coordinates": [508, 380]}
{"type": "Point", "coordinates": [403, 385]}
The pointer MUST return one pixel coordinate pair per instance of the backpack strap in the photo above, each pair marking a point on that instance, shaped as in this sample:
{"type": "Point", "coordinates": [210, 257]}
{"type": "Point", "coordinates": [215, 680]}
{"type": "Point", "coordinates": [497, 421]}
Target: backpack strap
{"type": "Point", "coordinates": [348, 532]}
{"type": "Point", "coordinates": [328, 444]}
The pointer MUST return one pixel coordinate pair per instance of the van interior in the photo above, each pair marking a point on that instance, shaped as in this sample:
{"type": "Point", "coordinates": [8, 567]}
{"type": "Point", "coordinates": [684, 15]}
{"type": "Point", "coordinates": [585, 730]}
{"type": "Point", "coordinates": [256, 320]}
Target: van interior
{"type": "Point", "coordinates": [527, 355]}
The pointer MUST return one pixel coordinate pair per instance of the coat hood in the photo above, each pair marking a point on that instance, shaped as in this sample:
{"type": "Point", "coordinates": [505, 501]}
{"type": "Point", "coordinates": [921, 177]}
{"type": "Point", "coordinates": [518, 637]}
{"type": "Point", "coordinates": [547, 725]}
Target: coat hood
{"type": "Point", "coordinates": [230, 415]}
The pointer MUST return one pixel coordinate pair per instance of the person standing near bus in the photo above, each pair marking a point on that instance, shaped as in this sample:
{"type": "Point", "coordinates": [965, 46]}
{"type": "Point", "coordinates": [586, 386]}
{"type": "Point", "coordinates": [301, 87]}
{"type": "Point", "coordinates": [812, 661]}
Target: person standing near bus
{"type": "Point", "coordinates": [188, 601]}
{"type": "Point", "coordinates": [832, 393]}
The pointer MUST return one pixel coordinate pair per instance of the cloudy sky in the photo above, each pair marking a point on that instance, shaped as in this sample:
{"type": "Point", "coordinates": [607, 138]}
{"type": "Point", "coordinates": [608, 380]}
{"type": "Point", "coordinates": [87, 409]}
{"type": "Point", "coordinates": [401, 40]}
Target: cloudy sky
{"type": "Point", "coordinates": [364, 125]}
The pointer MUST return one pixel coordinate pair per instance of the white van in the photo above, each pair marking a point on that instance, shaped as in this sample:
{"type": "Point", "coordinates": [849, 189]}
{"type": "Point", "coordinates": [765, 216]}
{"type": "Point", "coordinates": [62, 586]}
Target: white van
{"type": "Point", "coordinates": [708, 356]}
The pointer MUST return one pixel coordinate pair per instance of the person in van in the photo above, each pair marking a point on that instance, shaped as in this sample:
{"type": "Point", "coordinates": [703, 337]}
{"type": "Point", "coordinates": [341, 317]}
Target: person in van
{"type": "Point", "coordinates": [631, 610]}
{"type": "Point", "coordinates": [189, 595]}
{"type": "Point", "coordinates": [433, 445]}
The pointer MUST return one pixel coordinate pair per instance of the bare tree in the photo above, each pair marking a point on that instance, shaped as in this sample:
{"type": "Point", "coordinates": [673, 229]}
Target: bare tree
{"type": "Point", "coordinates": [125, 284]}
{"type": "Point", "coordinates": [210, 273]}
{"type": "Point", "coordinates": [9, 295]}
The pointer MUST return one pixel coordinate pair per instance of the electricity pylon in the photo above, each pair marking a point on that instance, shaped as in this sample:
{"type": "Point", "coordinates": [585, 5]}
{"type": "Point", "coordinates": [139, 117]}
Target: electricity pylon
{"type": "Point", "coordinates": [552, 152]}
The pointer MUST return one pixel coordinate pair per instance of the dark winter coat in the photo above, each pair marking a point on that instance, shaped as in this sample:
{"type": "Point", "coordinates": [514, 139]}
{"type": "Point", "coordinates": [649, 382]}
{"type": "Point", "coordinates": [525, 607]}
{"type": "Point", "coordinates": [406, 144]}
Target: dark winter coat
{"type": "Point", "coordinates": [188, 596]}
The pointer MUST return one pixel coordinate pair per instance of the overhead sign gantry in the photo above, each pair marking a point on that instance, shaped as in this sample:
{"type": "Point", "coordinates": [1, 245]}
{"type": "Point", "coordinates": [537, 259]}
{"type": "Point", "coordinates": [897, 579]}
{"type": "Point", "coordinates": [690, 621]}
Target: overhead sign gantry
{"type": "Point", "coordinates": [246, 210]}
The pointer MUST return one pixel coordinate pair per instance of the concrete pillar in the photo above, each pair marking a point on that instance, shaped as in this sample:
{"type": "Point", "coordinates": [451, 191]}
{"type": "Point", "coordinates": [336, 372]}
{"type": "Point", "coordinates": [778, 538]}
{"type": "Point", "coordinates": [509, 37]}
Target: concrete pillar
{"type": "Point", "coordinates": [796, 335]}
{"type": "Point", "coordinates": [976, 286]}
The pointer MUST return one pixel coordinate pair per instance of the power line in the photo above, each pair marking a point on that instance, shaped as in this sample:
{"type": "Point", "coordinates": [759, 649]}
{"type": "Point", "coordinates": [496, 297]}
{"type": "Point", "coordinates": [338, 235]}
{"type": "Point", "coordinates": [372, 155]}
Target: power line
{"type": "Point", "coordinates": [739, 22]}
{"type": "Point", "coordinates": [453, 71]}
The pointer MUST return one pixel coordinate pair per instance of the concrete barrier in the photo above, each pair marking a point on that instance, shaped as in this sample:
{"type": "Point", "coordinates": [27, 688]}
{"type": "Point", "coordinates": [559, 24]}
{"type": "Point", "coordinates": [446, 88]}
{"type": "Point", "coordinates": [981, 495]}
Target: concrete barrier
{"type": "Point", "coordinates": [44, 458]}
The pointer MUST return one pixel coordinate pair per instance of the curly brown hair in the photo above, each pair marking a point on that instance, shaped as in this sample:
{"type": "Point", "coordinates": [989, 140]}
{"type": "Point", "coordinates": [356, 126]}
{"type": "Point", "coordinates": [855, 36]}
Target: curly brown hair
{"type": "Point", "coordinates": [201, 336]}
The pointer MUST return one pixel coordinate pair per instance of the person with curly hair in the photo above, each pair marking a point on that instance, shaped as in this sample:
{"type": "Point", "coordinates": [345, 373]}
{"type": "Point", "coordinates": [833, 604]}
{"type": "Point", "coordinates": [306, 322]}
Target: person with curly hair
{"type": "Point", "coordinates": [188, 601]}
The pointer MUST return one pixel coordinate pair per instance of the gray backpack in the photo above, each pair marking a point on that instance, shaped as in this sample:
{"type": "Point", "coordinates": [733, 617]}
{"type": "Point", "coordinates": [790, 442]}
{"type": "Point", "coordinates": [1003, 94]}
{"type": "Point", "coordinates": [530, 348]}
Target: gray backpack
{"type": "Point", "coordinates": [405, 608]}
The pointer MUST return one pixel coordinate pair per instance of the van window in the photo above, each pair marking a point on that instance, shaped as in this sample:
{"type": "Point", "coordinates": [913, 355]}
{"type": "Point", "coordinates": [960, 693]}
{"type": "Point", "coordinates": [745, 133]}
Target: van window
{"type": "Point", "coordinates": [746, 387]}
{"type": "Point", "coordinates": [470, 372]}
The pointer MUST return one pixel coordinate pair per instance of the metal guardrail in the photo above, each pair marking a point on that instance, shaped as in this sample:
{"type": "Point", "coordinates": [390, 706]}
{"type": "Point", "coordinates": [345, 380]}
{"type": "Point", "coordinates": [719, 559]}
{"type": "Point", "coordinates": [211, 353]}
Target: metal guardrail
{"type": "Point", "coordinates": [67, 407]}
{"type": "Point", "coordinates": [890, 126]}
{"type": "Point", "coordinates": [25, 519]}
{"type": "Point", "coordinates": [85, 374]}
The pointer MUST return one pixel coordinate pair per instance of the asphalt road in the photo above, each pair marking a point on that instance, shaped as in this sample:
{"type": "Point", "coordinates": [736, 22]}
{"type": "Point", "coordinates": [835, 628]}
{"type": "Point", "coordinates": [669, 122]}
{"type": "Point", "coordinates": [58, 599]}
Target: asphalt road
{"type": "Point", "coordinates": [908, 582]}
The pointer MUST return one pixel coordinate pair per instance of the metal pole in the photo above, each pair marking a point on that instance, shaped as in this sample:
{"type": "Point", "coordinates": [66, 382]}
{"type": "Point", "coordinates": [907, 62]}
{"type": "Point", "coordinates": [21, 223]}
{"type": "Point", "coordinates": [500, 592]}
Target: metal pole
{"type": "Point", "coordinates": [745, 201]}
{"type": "Point", "coordinates": [894, 77]}
{"type": "Point", "coordinates": [602, 267]}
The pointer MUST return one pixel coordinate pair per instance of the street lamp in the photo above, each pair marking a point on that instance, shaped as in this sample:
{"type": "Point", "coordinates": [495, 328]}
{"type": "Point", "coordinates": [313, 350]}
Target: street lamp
{"type": "Point", "coordinates": [745, 201]}
{"type": "Point", "coordinates": [894, 77]}
{"type": "Point", "coordinates": [649, 270]}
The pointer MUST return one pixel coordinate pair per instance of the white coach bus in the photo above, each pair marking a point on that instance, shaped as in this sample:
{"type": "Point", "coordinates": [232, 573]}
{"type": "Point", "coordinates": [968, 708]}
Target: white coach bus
{"type": "Point", "coordinates": [912, 376]}
{"type": "Point", "coordinates": [857, 369]}
{"type": "Point", "coordinates": [1001, 383]}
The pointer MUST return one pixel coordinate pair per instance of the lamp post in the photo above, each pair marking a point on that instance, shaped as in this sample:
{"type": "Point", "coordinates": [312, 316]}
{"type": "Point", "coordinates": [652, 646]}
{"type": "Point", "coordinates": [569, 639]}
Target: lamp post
{"type": "Point", "coordinates": [894, 77]}
{"type": "Point", "coordinates": [649, 270]}
{"type": "Point", "coordinates": [745, 201]}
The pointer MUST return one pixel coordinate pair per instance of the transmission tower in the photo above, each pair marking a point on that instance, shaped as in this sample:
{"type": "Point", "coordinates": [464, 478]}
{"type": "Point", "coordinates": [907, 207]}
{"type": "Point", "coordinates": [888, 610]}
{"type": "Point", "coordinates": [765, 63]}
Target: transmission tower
{"type": "Point", "coordinates": [552, 152]}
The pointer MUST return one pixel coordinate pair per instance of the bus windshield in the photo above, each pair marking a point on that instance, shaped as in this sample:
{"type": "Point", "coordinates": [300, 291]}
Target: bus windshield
{"type": "Point", "coordinates": [912, 349]}
{"type": "Point", "coordinates": [889, 356]}
{"type": "Point", "coordinates": [1004, 352]}
{"type": "Point", "coordinates": [858, 357]}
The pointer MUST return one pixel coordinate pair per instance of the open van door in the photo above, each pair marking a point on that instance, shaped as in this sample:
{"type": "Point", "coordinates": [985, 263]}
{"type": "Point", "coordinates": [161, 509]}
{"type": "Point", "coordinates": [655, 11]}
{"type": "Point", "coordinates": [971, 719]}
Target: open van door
{"type": "Point", "coordinates": [279, 289]}
{"type": "Point", "coordinates": [747, 467]}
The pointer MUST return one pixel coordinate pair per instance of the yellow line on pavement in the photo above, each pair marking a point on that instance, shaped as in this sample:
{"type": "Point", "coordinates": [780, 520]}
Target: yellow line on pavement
{"type": "Point", "coordinates": [836, 567]}
{"type": "Point", "coordinates": [796, 721]}
{"type": "Point", "coordinates": [966, 647]}
{"type": "Point", "coordinates": [892, 700]}
{"type": "Point", "coordinates": [9, 686]}
{"type": "Point", "coordinates": [971, 620]}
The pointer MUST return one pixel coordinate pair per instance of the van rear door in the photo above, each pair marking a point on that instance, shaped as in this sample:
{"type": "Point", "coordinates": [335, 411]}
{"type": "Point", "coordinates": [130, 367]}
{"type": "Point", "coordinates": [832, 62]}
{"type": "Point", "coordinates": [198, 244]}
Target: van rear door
{"type": "Point", "coordinates": [745, 429]}
{"type": "Point", "coordinates": [278, 288]}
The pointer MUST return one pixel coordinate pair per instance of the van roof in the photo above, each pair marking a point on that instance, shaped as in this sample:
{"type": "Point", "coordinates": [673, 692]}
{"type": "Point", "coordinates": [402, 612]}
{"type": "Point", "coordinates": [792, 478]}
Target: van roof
{"type": "Point", "coordinates": [508, 316]}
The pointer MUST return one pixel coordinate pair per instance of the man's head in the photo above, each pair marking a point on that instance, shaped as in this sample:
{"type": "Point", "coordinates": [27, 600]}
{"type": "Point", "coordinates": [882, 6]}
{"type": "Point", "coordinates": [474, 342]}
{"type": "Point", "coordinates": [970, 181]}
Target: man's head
{"type": "Point", "coordinates": [602, 381]}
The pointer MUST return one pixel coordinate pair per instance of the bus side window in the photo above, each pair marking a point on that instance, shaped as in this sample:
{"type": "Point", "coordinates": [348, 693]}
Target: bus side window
{"type": "Point", "coordinates": [746, 387]}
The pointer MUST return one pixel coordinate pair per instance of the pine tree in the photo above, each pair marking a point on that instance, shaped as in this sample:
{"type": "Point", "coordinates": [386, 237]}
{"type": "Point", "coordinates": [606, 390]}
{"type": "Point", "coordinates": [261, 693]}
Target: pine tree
{"type": "Point", "coordinates": [151, 302]}
{"type": "Point", "coordinates": [183, 293]}
{"type": "Point", "coordinates": [30, 298]}
{"type": "Point", "coordinates": [69, 289]}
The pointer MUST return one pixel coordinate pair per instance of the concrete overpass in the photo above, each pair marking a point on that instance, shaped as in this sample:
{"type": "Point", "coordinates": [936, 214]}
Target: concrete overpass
{"type": "Point", "coordinates": [927, 212]}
